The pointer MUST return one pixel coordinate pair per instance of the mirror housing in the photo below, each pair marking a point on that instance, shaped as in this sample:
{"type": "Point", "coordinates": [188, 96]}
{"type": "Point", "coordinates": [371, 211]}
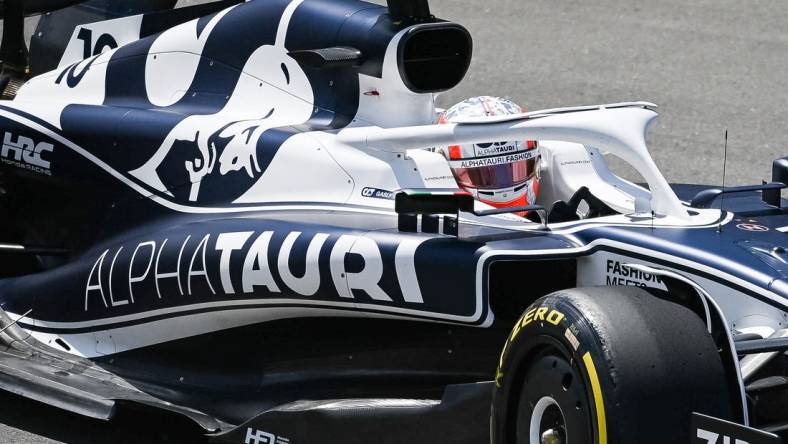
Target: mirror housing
{"type": "Point", "coordinates": [780, 175]}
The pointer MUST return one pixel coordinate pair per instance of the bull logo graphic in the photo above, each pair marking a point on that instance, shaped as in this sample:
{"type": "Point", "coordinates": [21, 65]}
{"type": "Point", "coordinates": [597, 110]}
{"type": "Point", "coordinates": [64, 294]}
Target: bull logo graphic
{"type": "Point", "coordinates": [207, 157]}
{"type": "Point", "coordinates": [229, 150]}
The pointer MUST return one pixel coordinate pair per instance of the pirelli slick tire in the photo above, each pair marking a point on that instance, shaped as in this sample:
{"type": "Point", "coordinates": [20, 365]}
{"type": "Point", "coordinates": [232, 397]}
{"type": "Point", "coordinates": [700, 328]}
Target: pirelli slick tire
{"type": "Point", "coordinates": [606, 365]}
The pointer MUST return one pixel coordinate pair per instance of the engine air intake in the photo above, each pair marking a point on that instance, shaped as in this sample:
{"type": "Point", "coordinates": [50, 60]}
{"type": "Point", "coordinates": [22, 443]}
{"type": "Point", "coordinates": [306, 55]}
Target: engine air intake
{"type": "Point", "coordinates": [434, 57]}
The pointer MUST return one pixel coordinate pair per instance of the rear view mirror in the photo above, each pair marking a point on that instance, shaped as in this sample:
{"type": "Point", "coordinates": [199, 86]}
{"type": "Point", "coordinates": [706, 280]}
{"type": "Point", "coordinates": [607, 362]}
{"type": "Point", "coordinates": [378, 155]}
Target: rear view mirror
{"type": "Point", "coordinates": [780, 175]}
{"type": "Point", "coordinates": [642, 205]}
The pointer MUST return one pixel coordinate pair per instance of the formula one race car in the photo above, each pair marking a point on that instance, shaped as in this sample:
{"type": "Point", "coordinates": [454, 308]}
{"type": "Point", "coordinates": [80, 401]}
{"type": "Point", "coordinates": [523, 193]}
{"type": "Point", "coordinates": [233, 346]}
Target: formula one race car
{"type": "Point", "coordinates": [234, 212]}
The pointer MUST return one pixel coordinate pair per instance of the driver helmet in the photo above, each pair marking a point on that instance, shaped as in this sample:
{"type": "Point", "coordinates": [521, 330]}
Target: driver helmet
{"type": "Point", "coordinates": [500, 174]}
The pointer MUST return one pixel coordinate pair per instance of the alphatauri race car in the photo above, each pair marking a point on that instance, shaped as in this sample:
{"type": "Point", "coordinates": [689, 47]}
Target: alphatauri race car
{"type": "Point", "coordinates": [236, 213]}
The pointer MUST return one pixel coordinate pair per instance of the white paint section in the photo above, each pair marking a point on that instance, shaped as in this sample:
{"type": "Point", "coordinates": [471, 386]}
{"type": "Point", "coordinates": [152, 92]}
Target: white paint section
{"type": "Point", "coordinates": [386, 102]}
{"type": "Point", "coordinates": [122, 339]}
{"type": "Point", "coordinates": [104, 343]}
{"type": "Point", "coordinates": [173, 59]}
{"type": "Point", "coordinates": [44, 98]}
{"type": "Point", "coordinates": [566, 167]}
{"type": "Point", "coordinates": [284, 22]}
{"type": "Point", "coordinates": [91, 37]}
{"type": "Point", "coordinates": [302, 168]}
{"type": "Point", "coordinates": [432, 168]}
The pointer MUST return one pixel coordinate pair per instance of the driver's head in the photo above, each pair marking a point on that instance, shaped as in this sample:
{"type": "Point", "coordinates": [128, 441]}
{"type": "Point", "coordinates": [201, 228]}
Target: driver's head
{"type": "Point", "coordinates": [501, 174]}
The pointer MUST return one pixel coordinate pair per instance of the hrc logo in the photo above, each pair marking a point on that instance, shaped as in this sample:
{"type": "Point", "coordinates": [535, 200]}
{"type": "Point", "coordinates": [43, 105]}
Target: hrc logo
{"type": "Point", "coordinates": [25, 153]}
{"type": "Point", "coordinates": [254, 436]}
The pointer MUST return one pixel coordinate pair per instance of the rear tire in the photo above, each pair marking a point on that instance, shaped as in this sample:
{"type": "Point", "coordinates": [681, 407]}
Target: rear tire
{"type": "Point", "coordinates": [607, 365]}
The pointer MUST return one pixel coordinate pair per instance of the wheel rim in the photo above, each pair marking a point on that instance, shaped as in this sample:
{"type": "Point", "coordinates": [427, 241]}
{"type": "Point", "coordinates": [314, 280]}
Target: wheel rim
{"type": "Point", "coordinates": [553, 406]}
{"type": "Point", "coordinates": [548, 425]}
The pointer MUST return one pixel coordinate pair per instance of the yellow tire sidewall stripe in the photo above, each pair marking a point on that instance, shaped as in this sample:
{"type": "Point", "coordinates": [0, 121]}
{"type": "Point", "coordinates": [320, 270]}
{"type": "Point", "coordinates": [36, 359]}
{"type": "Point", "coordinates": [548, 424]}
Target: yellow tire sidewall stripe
{"type": "Point", "coordinates": [599, 403]}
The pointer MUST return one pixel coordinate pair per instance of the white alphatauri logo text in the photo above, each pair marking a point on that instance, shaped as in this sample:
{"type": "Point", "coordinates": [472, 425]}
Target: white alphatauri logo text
{"type": "Point", "coordinates": [24, 152]}
{"type": "Point", "coordinates": [196, 263]}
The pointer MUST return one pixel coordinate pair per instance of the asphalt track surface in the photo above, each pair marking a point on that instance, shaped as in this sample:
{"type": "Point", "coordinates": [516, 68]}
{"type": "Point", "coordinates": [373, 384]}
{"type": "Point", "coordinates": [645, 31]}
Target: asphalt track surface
{"type": "Point", "coordinates": [711, 66]}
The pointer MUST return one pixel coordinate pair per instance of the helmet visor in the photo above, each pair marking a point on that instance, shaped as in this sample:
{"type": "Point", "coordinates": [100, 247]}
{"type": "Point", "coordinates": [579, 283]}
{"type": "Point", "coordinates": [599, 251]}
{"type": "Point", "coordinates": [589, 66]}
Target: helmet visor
{"type": "Point", "coordinates": [495, 172]}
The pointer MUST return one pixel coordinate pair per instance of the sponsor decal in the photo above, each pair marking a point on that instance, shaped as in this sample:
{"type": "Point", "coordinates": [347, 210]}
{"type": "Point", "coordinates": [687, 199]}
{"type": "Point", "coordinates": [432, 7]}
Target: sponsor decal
{"type": "Point", "coordinates": [575, 162]}
{"type": "Point", "coordinates": [377, 193]}
{"type": "Point", "coordinates": [434, 178]}
{"type": "Point", "coordinates": [571, 335]}
{"type": "Point", "coordinates": [752, 227]}
{"type": "Point", "coordinates": [23, 152]}
{"type": "Point", "coordinates": [486, 149]}
{"type": "Point", "coordinates": [618, 274]}
{"type": "Point", "coordinates": [244, 265]}
{"type": "Point", "coordinates": [541, 314]}
{"type": "Point", "coordinates": [74, 74]}
{"type": "Point", "coordinates": [546, 314]}
{"type": "Point", "coordinates": [254, 436]}
{"type": "Point", "coordinates": [493, 161]}
{"type": "Point", "coordinates": [603, 268]}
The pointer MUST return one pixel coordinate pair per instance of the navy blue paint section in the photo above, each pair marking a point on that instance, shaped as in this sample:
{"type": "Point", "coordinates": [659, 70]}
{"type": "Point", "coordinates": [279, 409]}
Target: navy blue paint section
{"type": "Point", "coordinates": [342, 23]}
{"type": "Point", "coordinates": [708, 246]}
{"type": "Point", "coordinates": [202, 23]}
{"type": "Point", "coordinates": [705, 245]}
{"type": "Point", "coordinates": [125, 84]}
{"type": "Point", "coordinates": [150, 127]}
{"type": "Point", "coordinates": [445, 271]}
{"type": "Point", "coordinates": [371, 30]}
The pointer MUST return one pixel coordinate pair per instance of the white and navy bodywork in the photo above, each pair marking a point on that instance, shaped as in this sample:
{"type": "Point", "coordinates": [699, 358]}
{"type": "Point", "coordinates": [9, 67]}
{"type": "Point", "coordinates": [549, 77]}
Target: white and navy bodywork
{"type": "Point", "coordinates": [208, 195]}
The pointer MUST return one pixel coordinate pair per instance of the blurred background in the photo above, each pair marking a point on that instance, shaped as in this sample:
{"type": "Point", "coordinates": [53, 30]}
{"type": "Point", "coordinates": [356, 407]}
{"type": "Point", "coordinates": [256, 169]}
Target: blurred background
{"type": "Point", "coordinates": [710, 65]}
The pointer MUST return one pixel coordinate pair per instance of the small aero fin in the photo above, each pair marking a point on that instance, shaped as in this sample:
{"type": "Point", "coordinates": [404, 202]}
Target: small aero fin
{"type": "Point", "coordinates": [328, 57]}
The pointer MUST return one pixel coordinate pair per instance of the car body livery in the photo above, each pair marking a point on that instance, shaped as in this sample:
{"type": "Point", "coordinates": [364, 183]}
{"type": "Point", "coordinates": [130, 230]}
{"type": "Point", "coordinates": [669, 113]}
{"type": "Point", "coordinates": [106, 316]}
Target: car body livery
{"type": "Point", "coordinates": [236, 212]}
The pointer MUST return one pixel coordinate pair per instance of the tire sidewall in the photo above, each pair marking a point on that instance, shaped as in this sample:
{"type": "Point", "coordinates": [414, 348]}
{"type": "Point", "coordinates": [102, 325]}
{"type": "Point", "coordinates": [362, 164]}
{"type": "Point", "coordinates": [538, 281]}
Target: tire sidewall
{"type": "Point", "coordinates": [549, 322]}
